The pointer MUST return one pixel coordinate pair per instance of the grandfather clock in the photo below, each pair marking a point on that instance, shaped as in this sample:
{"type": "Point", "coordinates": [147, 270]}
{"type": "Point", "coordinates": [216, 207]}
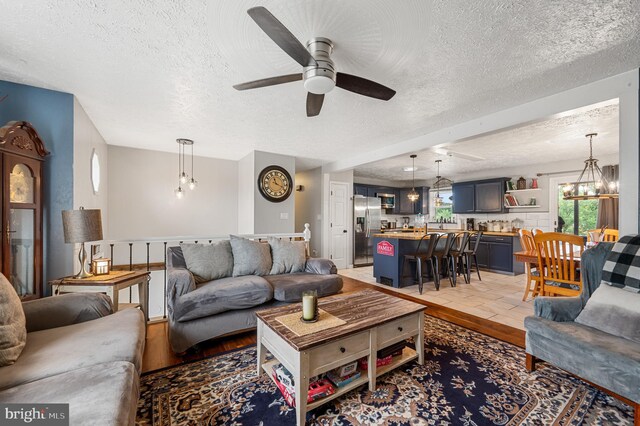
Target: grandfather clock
{"type": "Point", "coordinates": [22, 153]}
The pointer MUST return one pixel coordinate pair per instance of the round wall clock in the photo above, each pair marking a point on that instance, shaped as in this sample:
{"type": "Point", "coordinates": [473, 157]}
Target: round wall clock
{"type": "Point", "coordinates": [275, 183]}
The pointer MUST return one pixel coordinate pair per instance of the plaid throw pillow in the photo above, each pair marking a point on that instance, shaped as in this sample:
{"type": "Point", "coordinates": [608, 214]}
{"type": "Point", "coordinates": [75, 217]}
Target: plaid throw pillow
{"type": "Point", "coordinates": [622, 267]}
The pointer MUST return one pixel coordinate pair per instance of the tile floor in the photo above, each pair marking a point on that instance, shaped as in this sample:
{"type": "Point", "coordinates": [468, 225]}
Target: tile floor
{"type": "Point", "coordinates": [497, 297]}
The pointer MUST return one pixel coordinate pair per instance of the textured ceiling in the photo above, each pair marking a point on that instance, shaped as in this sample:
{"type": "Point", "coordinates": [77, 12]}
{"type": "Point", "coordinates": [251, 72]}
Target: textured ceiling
{"type": "Point", "coordinates": [548, 141]}
{"type": "Point", "coordinates": [150, 71]}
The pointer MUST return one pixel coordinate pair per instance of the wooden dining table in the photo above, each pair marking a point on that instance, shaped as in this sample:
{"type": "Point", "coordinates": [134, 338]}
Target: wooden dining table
{"type": "Point", "coordinates": [531, 256]}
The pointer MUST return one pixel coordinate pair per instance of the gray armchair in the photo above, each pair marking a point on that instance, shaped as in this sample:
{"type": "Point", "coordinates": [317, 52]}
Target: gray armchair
{"type": "Point", "coordinates": [608, 361]}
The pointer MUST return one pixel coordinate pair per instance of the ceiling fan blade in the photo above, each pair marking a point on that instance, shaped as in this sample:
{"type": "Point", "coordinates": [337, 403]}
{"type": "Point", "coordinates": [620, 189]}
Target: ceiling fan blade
{"type": "Point", "coordinates": [314, 104]}
{"type": "Point", "coordinates": [362, 86]}
{"type": "Point", "coordinates": [281, 35]}
{"type": "Point", "coordinates": [271, 81]}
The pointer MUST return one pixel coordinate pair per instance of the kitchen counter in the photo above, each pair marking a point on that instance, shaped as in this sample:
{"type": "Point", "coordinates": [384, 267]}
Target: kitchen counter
{"type": "Point", "coordinates": [417, 235]}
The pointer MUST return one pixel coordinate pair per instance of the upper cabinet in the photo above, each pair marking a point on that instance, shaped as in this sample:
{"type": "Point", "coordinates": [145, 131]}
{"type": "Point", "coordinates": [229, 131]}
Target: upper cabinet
{"type": "Point", "coordinates": [483, 196]}
{"type": "Point", "coordinates": [464, 196]}
{"type": "Point", "coordinates": [402, 203]}
{"type": "Point", "coordinates": [406, 206]}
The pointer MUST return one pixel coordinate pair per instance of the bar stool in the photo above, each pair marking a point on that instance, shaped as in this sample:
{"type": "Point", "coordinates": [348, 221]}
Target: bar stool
{"type": "Point", "coordinates": [457, 254]}
{"type": "Point", "coordinates": [442, 255]}
{"type": "Point", "coordinates": [420, 257]}
{"type": "Point", "coordinates": [472, 253]}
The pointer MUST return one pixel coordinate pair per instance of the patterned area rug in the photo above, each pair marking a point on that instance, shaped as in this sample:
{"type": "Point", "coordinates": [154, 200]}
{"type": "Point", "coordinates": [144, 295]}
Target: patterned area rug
{"type": "Point", "coordinates": [468, 379]}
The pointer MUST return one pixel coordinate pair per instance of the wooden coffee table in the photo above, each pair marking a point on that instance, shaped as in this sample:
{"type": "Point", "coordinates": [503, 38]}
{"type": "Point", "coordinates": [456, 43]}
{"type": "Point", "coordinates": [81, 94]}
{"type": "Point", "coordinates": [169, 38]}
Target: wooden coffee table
{"type": "Point", "coordinates": [374, 321]}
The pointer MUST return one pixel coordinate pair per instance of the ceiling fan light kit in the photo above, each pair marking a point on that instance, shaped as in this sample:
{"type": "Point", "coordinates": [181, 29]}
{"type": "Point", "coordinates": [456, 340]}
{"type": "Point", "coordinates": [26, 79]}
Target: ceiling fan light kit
{"type": "Point", "coordinates": [319, 71]}
{"type": "Point", "coordinates": [320, 79]}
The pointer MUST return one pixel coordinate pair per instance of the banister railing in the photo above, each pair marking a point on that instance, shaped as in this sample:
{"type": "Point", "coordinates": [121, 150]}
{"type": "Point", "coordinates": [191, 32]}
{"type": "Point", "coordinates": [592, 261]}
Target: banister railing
{"type": "Point", "coordinates": [150, 254]}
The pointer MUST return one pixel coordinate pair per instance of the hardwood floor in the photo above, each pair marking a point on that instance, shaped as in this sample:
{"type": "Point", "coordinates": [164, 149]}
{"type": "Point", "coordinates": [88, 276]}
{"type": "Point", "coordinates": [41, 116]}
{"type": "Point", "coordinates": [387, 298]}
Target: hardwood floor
{"type": "Point", "coordinates": [158, 354]}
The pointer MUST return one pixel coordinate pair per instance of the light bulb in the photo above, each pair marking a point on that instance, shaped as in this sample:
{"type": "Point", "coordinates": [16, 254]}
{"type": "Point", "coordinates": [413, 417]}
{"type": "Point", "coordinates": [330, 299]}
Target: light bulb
{"type": "Point", "coordinates": [612, 186]}
{"type": "Point", "coordinates": [179, 192]}
{"type": "Point", "coordinates": [183, 178]}
{"type": "Point", "coordinates": [192, 184]}
{"type": "Point", "coordinates": [413, 195]}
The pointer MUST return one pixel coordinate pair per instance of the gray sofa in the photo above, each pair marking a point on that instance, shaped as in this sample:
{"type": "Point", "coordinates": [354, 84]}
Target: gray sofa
{"type": "Point", "coordinates": [199, 312]}
{"type": "Point", "coordinates": [608, 361]}
{"type": "Point", "coordinates": [79, 353]}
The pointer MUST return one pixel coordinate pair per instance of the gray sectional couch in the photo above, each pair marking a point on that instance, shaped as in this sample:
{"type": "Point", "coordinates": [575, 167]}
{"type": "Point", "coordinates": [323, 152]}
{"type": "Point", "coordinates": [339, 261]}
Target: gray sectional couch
{"type": "Point", "coordinates": [78, 352]}
{"type": "Point", "coordinates": [210, 309]}
{"type": "Point", "coordinates": [554, 335]}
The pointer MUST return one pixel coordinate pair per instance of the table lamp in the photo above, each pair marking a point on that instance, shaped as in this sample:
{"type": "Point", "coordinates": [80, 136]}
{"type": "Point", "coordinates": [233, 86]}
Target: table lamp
{"type": "Point", "coordinates": [81, 226]}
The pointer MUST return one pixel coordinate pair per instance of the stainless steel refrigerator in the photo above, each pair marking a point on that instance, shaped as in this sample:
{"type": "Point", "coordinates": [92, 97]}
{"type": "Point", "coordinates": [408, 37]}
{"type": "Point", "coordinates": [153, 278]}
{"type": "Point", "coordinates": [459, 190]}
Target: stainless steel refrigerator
{"type": "Point", "coordinates": [366, 222]}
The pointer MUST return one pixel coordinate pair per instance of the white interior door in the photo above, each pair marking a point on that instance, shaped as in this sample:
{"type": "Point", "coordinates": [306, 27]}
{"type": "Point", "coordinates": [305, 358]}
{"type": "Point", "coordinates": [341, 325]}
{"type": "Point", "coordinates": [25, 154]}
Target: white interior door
{"type": "Point", "coordinates": [338, 214]}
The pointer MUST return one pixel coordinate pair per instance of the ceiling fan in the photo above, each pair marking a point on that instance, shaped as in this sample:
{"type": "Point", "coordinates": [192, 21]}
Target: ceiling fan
{"type": "Point", "coordinates": [319, 73]}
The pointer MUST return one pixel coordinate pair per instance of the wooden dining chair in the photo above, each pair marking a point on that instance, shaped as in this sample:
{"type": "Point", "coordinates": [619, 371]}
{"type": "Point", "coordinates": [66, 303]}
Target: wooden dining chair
{"type": "Point", "coordinates": [610, 235]}
{"type": "Point", "coordinates": [558, 260]}
{"type": "Point", "coordinates": [537, 231]}
{"type": "Point", "coordinates": [531, 269]}
{"type": "Point", "coordinates": [424, 257]}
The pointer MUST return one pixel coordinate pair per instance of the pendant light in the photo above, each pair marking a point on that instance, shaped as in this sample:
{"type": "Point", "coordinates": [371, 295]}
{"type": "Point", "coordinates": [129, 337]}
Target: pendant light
{"type": "Point", "coordinates": [592, 184]}
{"type": "Point", "coordinates": [440, 183]}
{"type": "Point", "coordinates": [413, 194]}
{"type": "Point", "coordinates": [183, 177]}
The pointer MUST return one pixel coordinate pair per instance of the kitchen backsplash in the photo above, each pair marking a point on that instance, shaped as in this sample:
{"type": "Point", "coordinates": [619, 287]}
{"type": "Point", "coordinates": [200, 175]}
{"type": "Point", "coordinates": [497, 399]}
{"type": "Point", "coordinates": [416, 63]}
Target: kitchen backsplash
{"type": "Point", "coordinates": [531, 220]}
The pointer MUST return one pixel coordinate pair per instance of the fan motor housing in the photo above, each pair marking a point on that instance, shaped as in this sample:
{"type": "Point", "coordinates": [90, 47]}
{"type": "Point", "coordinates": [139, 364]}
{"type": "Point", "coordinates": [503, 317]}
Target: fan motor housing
{"type": "Point", "coordinates": [320, 79]}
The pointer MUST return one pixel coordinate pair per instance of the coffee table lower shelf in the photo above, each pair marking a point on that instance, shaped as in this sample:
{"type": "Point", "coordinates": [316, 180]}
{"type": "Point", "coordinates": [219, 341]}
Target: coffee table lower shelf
{"type": "Point", "coordinates": [407, 355]}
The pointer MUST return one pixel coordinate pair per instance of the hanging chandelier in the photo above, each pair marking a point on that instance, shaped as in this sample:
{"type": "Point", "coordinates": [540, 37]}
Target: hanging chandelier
{"type": "Point", "coordinates": [440, 183]}
{"type": "Point", "coordinates": [592, 183]}
{"type": "Point", "coordinates": [183, 177]}
{"type": "Point", "coordinates": [413, 194]}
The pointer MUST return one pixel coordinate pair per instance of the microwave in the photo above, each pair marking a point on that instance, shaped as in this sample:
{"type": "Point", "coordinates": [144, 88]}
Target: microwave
{"type": "Point", "coordinates": [387, 201]}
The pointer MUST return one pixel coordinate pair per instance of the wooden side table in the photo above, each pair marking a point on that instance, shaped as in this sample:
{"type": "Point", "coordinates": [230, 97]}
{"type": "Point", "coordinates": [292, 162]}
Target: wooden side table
{"type": "Point", "coordinates": [111, 285]}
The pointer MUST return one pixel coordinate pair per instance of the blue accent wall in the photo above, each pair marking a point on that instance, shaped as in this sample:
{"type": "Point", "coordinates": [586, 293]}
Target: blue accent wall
{"type": "Point", "coordinates": [51, 113]}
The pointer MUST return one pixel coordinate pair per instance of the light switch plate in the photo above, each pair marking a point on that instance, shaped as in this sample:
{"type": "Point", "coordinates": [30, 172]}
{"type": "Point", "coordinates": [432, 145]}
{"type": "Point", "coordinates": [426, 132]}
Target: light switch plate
{"type": "Point", "coordinates": [284, 216]}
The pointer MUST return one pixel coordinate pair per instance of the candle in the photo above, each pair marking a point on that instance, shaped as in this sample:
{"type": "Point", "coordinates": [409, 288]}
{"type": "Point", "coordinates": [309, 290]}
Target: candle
{"type": "Point", "coordinates": [309, 305]}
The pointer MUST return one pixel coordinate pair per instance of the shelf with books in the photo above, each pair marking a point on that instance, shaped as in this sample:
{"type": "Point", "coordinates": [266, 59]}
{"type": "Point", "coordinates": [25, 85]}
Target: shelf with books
{"type": "Point", "coordinates": [407, 355]}
{"type": "Point", "coordinates": [509, 191]}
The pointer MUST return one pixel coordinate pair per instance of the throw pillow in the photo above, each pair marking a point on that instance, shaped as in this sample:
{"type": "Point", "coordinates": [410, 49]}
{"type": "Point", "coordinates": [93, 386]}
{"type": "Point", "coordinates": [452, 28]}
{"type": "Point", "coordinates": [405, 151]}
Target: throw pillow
{"type": "Point", "coordinates": [13, 325]}
{"type": "Point", "coordinates": [250, 257]}
{"type": "Point", "coordinates": [208, 261]}
{"type": "Point", "coordinates": [622, 267]}
{"type": "Point", "coordinates": [288, 256]}
{"type": "Point", "coordinates": [614, 311]}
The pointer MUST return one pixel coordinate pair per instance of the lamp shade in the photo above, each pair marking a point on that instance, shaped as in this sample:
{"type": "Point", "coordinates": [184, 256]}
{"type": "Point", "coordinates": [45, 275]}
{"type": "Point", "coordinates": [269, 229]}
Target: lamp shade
{"type": "Point", "coordinates": [81, 226]}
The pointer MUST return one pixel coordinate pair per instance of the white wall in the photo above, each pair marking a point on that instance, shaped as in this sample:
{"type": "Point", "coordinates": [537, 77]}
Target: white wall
{"type": "Point", "coordinates": [246, 198]}
{"type": "Point", "coordinates": [86, 139]}
{"type": "Point", "coordinates": [270, 217]}
{"type": "Point", "coordinates": [142, 203]}
{"type": "Point", "coordinates": [309, 206]}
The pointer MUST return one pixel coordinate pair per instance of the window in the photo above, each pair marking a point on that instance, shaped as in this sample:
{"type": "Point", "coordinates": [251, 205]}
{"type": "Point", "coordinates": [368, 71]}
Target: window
{"type": "Point", "coordinates": [445, 209]}
{"type": "Point", "coordinates": [579, 216]}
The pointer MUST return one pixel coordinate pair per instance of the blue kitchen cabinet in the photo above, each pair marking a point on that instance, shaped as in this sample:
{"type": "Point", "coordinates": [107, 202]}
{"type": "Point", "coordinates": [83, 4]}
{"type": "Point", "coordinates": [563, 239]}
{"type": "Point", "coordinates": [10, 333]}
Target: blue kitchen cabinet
{"type": "Point", "coordinates": [482, 196]}
{"type": "Point", "coordinates": [464, 195]}
{"type": "Point", "coordinates": [360, 190]}
{"type": "Point", "coordinates": [490, 197]}
{"type": "Point", "coordinates": [495, 253]}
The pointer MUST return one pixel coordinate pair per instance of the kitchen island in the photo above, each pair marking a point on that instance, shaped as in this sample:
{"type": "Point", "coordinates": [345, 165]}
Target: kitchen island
{"type": "Point", "coordinates": [389, 249]}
